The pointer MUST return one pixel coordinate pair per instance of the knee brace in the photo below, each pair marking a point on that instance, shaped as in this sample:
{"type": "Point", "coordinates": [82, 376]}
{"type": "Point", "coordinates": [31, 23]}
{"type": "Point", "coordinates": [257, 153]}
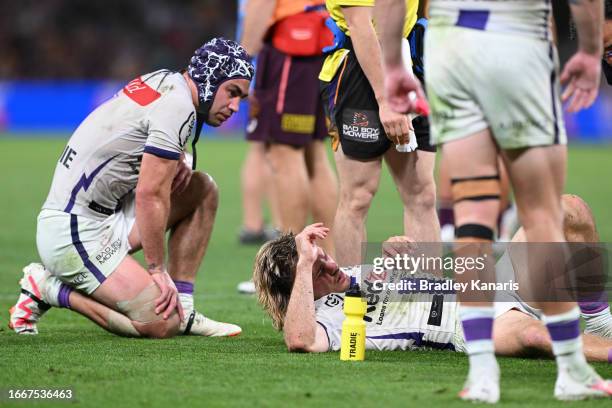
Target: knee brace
{"type": "Point", "coordinates": [141, 309]}
{"type": "Point", "coordinates": [476, 188]}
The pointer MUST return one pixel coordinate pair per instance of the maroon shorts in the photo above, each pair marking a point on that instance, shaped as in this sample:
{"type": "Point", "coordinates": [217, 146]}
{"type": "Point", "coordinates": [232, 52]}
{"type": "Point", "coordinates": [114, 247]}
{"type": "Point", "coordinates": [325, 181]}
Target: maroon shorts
{"type": "Point", "coordinates": [290, 105]}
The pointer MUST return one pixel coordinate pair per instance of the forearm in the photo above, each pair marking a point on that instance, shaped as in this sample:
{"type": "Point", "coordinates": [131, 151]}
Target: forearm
{"type": "Point", "coordinates": [256, 21]}
{"type": "Point", "coordinates": [152, 210]}
{"type": "Point", "coordinates": [389, 16]}
{"type": "Point", "coordinates": [588, 17]}
{"type": "Point", "coordinates": [369, 56]}
{"type": "Point", "coordinates": [300, 323]}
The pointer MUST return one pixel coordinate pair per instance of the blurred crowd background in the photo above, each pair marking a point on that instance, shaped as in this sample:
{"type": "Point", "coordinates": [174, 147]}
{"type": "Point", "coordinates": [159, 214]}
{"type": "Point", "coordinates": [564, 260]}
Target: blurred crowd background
{"type": "Point", "coordinates": [117, 39]}
{"type": "Point", "coordinates": [70, 55]}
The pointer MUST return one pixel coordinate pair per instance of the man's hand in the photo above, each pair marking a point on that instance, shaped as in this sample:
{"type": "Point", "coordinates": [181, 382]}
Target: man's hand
{"type": "Point", "coordinates": [396, 125]}
{"type": "Point", "coordinates": [398, 245]}
{"type": "Point", "coordinates": [305, 242]}
{"type": "Point", "coordinates": [182, 176]}
{"type": "Point", "coordinates": [581, 76]}
{"type": "Point", "coordinates": [399, 86]}
{"type": "Point", "coordinates": [168, 300]}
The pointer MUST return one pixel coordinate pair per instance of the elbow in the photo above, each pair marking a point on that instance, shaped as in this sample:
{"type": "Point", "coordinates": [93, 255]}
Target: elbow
{"type": "Point", "coordinates": [297, 345]}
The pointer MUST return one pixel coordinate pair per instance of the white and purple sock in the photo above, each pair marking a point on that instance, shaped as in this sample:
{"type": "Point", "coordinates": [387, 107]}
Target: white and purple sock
{"type": "Point", "coordinates": [597, 317]}
{"type": "Point", "coordinates": [564, 329]}
{"type": "Point", "coordinates": [477, 325]}
{"type": "Point", "coordinates": [57, 293]}
{"type": "Point", "coordinates": [185, 290]}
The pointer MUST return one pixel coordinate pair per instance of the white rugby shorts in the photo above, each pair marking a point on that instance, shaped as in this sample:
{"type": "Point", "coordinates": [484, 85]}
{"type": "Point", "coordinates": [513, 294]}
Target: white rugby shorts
{"type": "Point", "coordinates": [479, 79]}
{"type": "Point", "coordinates": [83, 252]}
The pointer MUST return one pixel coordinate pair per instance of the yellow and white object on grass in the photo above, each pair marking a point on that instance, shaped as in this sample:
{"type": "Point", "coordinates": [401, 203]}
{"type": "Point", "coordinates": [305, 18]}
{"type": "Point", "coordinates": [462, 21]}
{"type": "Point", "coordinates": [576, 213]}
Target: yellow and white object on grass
{"type": "Point", "coordinates": [354, 327]}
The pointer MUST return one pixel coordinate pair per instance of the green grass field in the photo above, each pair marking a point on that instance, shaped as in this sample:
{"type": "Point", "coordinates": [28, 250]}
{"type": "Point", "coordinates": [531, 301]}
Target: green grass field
{"type": "Point", "coordinates": [253, 369]}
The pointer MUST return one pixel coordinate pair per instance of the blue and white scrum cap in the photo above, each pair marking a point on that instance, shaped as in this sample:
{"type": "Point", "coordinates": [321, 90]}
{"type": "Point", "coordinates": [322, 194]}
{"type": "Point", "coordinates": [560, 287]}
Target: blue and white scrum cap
{"type": "Point", "coordinates": [215, 62]}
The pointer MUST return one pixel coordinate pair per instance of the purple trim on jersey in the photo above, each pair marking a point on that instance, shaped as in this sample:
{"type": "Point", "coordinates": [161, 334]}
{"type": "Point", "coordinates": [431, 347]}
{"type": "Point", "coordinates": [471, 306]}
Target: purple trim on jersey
{"type": "Point", "coordinates": [164, 154]}
{"type": "Point", "coordinates": [478, 329]}
{"type": "Point", "coordinates": [76, 241]}
{"type": "Point", "coordinates": [610, 355]}
{"type": "Point", "coordinates": [327, 334]}
{"type": "Point", "coordinates": [417, 337]}
{"type": "Point", "coordinates": [592, 307]}
{"type": "Point", "coordinates": [553, 81]}
{"type": "Point", "coordinates": [84, 183]}
{"type": "Point", "coordinates": [476, 19]}
{"type": "Point", "coordinates": [184, 287]}
{"type": "Point", "coordinates": [562, 331]}
{"type": "Point", "coordinates": [63, 298]}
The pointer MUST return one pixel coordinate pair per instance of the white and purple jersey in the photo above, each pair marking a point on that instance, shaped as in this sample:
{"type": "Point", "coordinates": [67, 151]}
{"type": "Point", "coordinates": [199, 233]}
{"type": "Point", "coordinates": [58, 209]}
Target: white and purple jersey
{"type": "Point", "coordinates": [100, 165]}
{"type": "Point", "coordinates": [527, 18]}
{"type": "Point", "coordinates": [420, 322]}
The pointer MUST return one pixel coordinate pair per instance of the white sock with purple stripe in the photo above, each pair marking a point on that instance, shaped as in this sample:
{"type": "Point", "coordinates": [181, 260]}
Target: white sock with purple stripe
{"type": "Point", "coordinates": [185, 290]}
{"type": "Point", "coordinates": [477, 325]}
{"type": "Point", "coordinates": [57, 293]}
{"type": "Point", "coordinates": [564, 331]}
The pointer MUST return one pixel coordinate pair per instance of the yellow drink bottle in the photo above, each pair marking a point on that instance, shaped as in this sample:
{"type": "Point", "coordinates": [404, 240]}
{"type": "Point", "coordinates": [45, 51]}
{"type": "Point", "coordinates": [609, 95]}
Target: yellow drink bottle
{"type": "Point", "coordinates": [352, 346]}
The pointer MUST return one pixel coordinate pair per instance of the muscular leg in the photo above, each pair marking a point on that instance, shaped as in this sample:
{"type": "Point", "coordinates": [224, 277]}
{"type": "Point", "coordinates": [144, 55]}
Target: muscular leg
{"type": "Point", "coordinates": [414, 179]}
{"type": "Point", "coordinates": [291, 185]}
{"type": "Point", "coordinates": [518, 335]}
{"type": "Point", "coordinates": [358, 184]}
{"type": "Point", "coordinates": [538, 175]}
{"type": "Point", "coordinates": [472, 164]}
{"type": "Point", "coordinates": [323, 188]}
{"type": "Point", "coordinates": [190, 222]}
{"type": "Point", "coordinates": [131, 291]}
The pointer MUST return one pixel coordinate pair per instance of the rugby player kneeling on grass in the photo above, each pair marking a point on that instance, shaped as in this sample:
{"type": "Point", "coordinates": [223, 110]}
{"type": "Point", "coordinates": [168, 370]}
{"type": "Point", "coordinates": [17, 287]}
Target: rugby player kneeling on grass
{"type": "Point", "coordinates": [302, 288]}
{"type": "Point", "coordinates": [120, 183]}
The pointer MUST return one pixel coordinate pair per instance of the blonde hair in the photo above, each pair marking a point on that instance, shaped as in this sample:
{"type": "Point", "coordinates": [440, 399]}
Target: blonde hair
{"type": "Point", "coordinates": [274, 274]}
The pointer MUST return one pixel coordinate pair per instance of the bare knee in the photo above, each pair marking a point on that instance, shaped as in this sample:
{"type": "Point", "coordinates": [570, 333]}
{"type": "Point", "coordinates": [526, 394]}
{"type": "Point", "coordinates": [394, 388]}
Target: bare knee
{"type": "Point", "coordinates": [535, 337]}
{"type": "Point", "coordinates": [209, 191]}
{"type": "Point", "coordinates": [578, 221]}
{"type": "Point", "coordinates": [357, 200]}
{"type": "Point", "coordinates": [421, 196]}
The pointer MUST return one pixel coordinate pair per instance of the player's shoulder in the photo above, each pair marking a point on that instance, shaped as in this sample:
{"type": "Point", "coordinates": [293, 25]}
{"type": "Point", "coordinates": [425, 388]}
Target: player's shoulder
{"type": "Point", "coordinates": [171, 87]}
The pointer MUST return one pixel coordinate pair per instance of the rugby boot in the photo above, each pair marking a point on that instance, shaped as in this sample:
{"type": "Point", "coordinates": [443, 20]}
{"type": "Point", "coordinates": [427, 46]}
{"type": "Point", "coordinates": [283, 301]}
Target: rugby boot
{"type": "Point", "coordinates": [572, 385]}
{"type": "Point", "coordinates": [482, 386]}
{"type": "Point", "coordinates": [31, 303]}
{"type": "Point", "coordinates": [196, 324]}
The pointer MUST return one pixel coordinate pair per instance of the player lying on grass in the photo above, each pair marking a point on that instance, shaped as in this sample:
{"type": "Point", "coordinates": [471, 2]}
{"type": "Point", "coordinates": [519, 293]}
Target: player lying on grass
{"type": "Point", "coordinates": [302, 289]}
{"type": "Point", "coordinates": [120, 184]}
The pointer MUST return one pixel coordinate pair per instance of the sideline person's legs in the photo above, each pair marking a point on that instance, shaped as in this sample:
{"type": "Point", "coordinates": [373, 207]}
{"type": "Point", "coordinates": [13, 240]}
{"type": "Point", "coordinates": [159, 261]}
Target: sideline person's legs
{"type": "Point", "coordinates": [323, 189]}
{"type": "Point", "coordinates": [358, 185]}
{"type": "Point", "coordinates": [253, 187]}
{"type": "Point", "coordinates": [291, 185]}
{"type": "Point", "coordinates": [414, 179]}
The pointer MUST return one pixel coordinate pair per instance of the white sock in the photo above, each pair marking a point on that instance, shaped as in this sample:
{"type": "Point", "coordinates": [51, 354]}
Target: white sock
{"type": "Point", "coordinates": [51, 291]}
{"type": "Point", "coordinates": [187, 303]}
{"type": "Point", "coordinates": [564, 331]}
{"type": "Point", "coordinates": [477, 325]}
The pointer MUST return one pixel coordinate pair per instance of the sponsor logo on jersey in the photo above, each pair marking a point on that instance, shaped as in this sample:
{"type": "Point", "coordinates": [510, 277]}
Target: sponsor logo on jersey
{"type": "Point", "coordinates": [108, 251]}
{"type": "Point", "coordinates": [140, 92]}
{"type": "Point", "coordinates": [360, 126]}
{"type": "Point", "coordinates": [334, 300]}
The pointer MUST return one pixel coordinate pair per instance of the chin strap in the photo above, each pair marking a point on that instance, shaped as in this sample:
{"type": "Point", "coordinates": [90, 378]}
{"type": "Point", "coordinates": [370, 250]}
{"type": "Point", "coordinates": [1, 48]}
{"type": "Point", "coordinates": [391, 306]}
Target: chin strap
{"type": "Point", "coordinates": [196, 137]}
